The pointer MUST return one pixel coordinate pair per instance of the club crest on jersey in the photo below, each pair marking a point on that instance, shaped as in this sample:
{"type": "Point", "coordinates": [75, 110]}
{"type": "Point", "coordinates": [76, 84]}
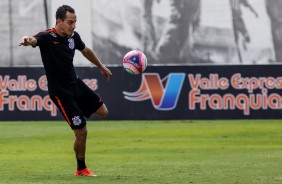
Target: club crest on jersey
{"type": "Point", "coordinates": [76, 120]}
{"type": "Point", "coordinates": [71, 43]}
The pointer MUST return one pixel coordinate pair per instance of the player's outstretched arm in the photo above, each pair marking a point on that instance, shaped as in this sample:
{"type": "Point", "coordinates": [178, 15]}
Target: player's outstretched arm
{"type": "Point", "coordinates": [28, 41]}
{"type": "Point", "coordinates": [90, 55]}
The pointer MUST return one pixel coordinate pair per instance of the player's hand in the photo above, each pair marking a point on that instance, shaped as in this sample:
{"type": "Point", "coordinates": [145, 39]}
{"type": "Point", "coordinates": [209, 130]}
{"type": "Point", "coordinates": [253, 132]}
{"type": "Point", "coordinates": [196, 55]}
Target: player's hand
{"type": "Point", "coordinates": [106, 72]}
{"type": "Point", "coordinates": [25, 41]}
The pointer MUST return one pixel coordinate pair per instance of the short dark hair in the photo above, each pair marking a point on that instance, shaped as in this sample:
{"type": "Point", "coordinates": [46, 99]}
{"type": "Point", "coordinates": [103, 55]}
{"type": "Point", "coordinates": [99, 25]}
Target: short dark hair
{"type": "Point", "coordinates": [62, 10]}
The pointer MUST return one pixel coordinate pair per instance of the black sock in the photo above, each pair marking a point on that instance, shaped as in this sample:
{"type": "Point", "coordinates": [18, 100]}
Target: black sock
{"type": "Point", "coordinates": [80, 163]}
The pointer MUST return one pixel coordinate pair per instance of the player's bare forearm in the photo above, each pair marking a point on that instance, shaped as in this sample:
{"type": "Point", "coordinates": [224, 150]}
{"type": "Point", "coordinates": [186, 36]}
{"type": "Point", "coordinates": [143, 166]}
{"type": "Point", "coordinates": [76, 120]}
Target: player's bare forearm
{"type": "Point", "coordinates": [28, 41]}
{"type": "Point", "coordinates": [90, 55]}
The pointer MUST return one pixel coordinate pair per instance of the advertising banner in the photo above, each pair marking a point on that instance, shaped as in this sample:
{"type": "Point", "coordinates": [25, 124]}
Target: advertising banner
{"type": "Point", "coordinates": [162, 92]}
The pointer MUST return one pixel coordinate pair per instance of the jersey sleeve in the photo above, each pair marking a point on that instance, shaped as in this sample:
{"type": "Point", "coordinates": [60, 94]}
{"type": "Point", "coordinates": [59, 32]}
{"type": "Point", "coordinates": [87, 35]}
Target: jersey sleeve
{"type": "Point", "coordinates": [79, 44]}
{"type": "Point", "coordinates": [41, 38]}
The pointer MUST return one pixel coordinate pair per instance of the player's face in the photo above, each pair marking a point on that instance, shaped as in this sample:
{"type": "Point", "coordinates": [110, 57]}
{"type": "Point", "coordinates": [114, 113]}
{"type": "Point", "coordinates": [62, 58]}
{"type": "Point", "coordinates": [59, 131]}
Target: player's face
{"type": "Point", "coordinates": [69, 24]}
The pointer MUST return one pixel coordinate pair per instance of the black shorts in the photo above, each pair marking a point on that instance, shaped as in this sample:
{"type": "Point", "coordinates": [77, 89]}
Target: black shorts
{"type": "Point", "coordinates": [82, 103]}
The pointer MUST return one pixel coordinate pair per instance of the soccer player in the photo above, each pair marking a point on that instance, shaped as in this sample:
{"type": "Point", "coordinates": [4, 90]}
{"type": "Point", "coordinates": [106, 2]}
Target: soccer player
{"type": "Point", "coordinates": [74, 99]}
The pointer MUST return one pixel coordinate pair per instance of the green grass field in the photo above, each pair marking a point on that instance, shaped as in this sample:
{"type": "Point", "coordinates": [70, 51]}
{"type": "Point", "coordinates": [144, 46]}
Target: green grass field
{"type": "Point", "coordinates": [129, 152]}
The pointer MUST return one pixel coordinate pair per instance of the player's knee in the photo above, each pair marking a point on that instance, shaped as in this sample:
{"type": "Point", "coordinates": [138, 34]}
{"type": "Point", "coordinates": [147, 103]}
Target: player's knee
{"type": "Point", "coordinates": [81, 133]}
{"type": "Point", "coordinates": [102, 111]}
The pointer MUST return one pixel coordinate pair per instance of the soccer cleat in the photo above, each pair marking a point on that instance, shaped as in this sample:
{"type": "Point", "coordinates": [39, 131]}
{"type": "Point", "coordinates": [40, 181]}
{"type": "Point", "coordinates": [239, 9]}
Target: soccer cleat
{"type": "Point", "coordinates": [84, 172]}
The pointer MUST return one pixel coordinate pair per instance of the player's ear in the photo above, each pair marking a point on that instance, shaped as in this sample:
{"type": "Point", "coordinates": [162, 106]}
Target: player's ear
{"type": "Point", "coordinates": [58, 21]}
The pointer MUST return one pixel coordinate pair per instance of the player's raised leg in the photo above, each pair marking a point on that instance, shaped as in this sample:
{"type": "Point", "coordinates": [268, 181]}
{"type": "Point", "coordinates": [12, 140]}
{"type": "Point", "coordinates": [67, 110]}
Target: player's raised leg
{"type": "Point", "coordinates": [102, 111]}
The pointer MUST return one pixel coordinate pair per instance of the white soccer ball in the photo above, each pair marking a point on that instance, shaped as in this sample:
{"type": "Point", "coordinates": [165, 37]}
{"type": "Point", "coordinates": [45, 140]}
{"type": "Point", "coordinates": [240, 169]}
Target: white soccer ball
{"type": "Point", "coordinates": [135, 62]}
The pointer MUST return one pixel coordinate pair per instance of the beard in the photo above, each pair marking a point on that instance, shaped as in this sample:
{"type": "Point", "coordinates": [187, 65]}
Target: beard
{"type": "Point", "coordinates": [67, 32]}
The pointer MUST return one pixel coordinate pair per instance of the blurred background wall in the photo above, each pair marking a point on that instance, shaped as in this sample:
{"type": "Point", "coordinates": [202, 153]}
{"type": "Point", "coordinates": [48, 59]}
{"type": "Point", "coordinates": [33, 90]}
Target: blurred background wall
{"type": "Point", "coordinates": [167, 31]}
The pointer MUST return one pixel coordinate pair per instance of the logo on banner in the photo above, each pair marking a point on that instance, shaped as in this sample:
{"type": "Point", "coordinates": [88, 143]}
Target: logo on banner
{"type": "Point", "coordinates": [163, 93]}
